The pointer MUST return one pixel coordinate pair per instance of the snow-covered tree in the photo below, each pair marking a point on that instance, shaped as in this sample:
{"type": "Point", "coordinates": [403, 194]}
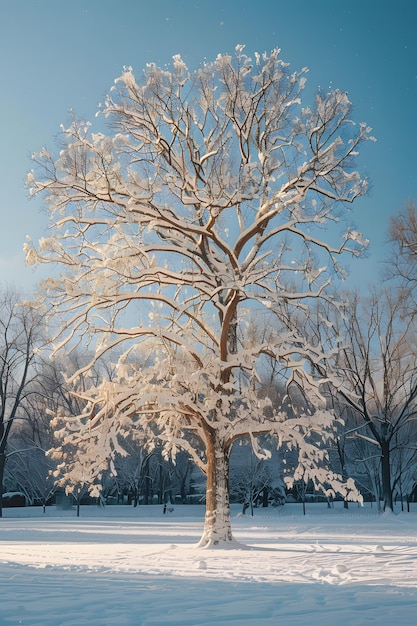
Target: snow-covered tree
{"type": "Point", "coordinates": [213, 196]}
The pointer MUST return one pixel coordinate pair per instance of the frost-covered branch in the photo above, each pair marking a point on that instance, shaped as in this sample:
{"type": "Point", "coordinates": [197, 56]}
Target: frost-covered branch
{"type": "Point", "coordinates": [205, 204]}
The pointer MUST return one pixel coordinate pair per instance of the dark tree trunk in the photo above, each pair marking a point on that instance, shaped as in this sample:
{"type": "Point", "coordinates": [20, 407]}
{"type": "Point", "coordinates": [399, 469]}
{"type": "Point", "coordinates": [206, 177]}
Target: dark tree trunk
{"type": "Point", "coordinates": [386, 475]}
{"type": "Point", "coordinates": [265, 497]}
{"type": "Point", "coordinates": [2, 466]}
{"type": "Point", "coordinates": [147, 486]}
{"type": "Point", "coordinates": [161, 485]}
{"type": "Point", "coordinates": [184, 483]}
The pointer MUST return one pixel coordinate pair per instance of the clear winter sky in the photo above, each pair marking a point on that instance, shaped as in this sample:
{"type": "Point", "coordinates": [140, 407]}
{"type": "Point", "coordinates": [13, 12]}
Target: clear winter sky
{"type": "Point", "coordinates": [57, 55]}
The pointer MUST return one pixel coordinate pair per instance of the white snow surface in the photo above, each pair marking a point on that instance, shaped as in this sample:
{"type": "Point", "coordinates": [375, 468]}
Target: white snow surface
{"type": "Point", "coordinates": [136, 566]}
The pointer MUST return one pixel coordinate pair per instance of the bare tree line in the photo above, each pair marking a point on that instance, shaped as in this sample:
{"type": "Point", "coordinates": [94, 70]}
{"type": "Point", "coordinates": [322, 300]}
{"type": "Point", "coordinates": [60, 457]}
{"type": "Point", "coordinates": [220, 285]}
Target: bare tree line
{"type": "Point", "coordinates": [376, 440]}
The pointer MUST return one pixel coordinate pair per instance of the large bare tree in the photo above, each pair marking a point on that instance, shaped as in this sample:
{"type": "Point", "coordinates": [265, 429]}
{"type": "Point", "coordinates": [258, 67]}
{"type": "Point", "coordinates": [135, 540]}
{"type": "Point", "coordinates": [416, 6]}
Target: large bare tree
{"type": "Point", "coordinates": [216, 194]}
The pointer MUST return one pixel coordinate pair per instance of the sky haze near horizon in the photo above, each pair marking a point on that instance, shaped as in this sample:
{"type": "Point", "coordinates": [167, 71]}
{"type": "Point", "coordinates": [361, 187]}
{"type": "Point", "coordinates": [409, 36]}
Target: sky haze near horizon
{"type": "Point", "coordinates": [57, 56]}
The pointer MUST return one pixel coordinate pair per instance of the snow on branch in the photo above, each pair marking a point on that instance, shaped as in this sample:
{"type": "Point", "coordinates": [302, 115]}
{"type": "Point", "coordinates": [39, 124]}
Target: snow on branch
{"type": "Point", "coordinates": [203, 205]}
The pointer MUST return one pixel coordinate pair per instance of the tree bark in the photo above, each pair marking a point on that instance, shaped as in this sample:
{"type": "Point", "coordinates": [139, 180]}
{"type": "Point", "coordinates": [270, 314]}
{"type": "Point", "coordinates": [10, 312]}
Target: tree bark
{"type": "Point", "coordinates": [386, 475]}
{"type": "Point", "coordinates": [217, 523]}
{"type": "Point", "coordinates": [183, 484]}
{"type": "Point", "coordinates": [265, 497]}
{"type": "Point", "coordinates": [2, 466]}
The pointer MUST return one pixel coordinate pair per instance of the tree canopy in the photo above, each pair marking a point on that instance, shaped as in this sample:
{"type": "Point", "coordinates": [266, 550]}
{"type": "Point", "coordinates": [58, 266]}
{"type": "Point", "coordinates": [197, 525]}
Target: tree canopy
{"type": "Point", "coordinates": [213, 198]}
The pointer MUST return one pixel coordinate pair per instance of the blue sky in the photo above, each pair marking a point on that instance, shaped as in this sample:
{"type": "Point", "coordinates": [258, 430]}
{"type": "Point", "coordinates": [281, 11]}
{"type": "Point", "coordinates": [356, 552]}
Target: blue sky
{"type": "Point", "coordinates": [57, 55]}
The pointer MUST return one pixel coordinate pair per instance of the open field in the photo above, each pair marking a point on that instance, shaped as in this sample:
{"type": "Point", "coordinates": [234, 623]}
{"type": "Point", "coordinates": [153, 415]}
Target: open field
{"type": "Point", "coordinates": [125, 566]}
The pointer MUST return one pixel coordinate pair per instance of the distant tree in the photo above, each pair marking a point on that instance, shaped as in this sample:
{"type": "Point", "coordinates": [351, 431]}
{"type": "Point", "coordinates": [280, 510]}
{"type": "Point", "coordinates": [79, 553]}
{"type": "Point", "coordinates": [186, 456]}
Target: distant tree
{"type": "Point", "coordinates": [142, 474]}
{"type": "Point", "coordinates": [366, 464]}
{"type": "Point", "coordinates": [402, 262]}
{"type": "Point", "coordinates": [255, 481]}
{"type": "Point", "coordinates": [207, 201]}
{"type": "Point", "coordinates": [29, 470]}
{"type": "Point", "coordinates": [129, 475]}
{"type": "Point", "coordinates": [183, 471]}
{"type": "Point", "coordinates": [28, 465]}
{"type": "Point", "coordinates": [377, 384]}
{"type": "Point", "coordinates": [21, 335]}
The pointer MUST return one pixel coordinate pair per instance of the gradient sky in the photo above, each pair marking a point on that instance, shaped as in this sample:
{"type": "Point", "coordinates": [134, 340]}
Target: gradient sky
{"type": "Point", "coordinates": [57, 55]}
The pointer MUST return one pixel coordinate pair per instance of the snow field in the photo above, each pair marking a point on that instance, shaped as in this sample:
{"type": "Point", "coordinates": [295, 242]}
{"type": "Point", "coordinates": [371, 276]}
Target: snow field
{"type": "Point", "coordinates": [122, 565]}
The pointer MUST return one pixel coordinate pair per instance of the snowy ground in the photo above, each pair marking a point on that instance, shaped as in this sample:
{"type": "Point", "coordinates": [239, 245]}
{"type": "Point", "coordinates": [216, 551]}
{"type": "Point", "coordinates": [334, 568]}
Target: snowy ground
{"type": "Point", "coordinates": [138, 567]}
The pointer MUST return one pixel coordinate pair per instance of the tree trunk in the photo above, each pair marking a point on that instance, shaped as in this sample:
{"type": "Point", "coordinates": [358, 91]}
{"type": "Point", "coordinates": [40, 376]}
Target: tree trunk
{"type": "Point", "coordinates": [184, 484]}
{"type": "Point", "coordinates": [2, 465]}
{"type": "Point", "coordinates": [386, 476]}
{"type": "Point", "coordinates": [161, 485]}
{"type": "Point", "coordinates": [147, 481]}
{"type": "Point", "coordinates": [217, 523]}
{"type": "Point", "coordinates": [265, 497]}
